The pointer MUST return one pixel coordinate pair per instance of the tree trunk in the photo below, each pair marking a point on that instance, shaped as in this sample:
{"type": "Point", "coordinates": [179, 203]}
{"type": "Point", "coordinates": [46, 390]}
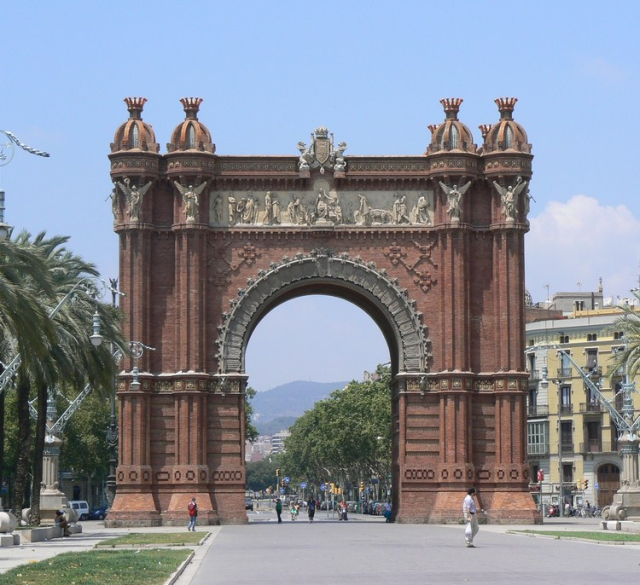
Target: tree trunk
{"type": "Point", "coordinates": [24, 442]}
{"type": "Point", "coordinates": [2, 476]}
{"type": "Point", "coordinates": [38, 454]}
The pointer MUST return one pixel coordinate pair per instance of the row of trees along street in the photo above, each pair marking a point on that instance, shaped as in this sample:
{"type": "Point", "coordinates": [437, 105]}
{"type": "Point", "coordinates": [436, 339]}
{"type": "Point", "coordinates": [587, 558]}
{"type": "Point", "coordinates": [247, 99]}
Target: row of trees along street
{"type": "Point", "coordinates": [345, 439]}
{"type": "Point", "coordinates": [37, 275]}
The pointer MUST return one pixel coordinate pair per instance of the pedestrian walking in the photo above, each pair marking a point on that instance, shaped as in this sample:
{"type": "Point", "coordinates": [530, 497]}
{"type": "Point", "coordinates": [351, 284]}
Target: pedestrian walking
{"type": "Point", "coordinates": [311, 508]}
{"type": "Point", "coordinates": [387, 511]}
{"type": "Point", "coordinates": [193, 514]}
{"type": "Point", "coordinates": [470, 517]}
{"type": "Point", "coordinates": [279, 509]}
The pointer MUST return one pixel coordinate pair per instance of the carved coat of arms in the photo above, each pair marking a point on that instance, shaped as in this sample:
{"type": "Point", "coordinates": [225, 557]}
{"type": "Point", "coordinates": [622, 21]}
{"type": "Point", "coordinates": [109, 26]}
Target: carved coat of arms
{"type": "Point", "coordinates": [321, 152]}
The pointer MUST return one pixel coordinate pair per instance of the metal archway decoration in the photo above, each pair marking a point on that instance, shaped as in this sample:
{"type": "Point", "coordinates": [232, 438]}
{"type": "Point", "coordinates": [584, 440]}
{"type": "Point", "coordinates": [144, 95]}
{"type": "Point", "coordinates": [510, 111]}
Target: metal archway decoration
{"type": "Point", "coordinates": [410, 333]}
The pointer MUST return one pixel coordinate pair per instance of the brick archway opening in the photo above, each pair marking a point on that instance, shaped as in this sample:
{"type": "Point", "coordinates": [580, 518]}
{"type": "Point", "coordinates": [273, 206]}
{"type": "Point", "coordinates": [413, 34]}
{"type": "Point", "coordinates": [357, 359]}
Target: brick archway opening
{"type": "Point", "coordinates": [322, 273]}
{"type": "Point", "coordinates": [351, 280]}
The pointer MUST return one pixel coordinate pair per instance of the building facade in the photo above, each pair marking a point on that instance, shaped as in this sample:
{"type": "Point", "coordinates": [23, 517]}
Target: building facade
{"type": "Point", "coordinates": [572, 438]}
{"type": "Point", "coordinates": [430, 246]}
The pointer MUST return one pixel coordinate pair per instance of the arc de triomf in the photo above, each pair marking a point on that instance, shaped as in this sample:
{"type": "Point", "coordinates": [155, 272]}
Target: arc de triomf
{"type": "Point", "coordinates": [431, 246]}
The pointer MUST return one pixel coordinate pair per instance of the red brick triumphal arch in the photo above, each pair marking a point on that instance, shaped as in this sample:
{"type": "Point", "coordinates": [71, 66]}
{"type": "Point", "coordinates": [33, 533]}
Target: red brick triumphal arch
{"type": "Point", "coordinates": [431, 246]}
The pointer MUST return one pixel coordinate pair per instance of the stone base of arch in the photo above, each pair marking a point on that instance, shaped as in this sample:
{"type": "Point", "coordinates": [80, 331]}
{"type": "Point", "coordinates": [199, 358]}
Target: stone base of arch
{"type": "Point", "coordinates": [169, 509]}
{"type": "Point", "coordinates": [445, 507]}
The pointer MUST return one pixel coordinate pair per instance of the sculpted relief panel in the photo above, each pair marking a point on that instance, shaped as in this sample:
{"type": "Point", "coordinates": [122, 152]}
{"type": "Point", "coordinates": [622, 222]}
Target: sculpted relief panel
{"type": "Point", "coordinates": [322, 206]}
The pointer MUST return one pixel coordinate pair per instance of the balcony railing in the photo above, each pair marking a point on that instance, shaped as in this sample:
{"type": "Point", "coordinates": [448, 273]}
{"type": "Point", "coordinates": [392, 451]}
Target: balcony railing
{"type": "Point", "coordinates": [535, 375]}
{"type": "Point", "coordinates": [538, 449]}
{"type": "Point", "coordinates": [593, 371]}
{"type": "Point", "coordinates": [566, 409]}
{"type": "Point", "coordinates": [537, 411]}
{"type": "Point", "coordinates": [597, 446]}
{"type": "Point", "coordinates": [564, 372]}
{"type": "Point", "coordinates": [567, 446]}
{"type": "Point", "coordinates": [594, 407]}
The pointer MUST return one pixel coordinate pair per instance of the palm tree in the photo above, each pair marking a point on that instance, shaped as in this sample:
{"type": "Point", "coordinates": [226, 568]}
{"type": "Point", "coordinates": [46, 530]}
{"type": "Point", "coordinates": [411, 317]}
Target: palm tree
{"type": "Point", "coordinates": [69, 357]}
{"type": "Point", "coordinates": [72, 359]}
{"type": "Point", "coordinates": [24, 323]}
{"type": "Point", "coordinates": [629, 324]}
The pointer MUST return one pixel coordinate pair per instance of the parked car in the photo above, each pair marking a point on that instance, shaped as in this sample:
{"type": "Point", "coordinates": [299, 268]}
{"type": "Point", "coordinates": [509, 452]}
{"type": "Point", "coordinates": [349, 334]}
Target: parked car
{"type": "Point", "coordinates": [81, 507]}
{"type": "Point", "coordinates": [248, 504]}
{"type": "Point", "coordinates": [99, 513]}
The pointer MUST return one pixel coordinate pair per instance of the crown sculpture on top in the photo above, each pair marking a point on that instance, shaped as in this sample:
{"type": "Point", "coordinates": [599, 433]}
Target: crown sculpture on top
{"type": "Point", "coordinates": [321, 153]}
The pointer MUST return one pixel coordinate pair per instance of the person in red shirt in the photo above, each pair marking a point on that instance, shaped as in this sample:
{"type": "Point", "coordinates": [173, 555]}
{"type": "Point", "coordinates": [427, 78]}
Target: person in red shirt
{"type": "Point", "coordinates": [193, 514]}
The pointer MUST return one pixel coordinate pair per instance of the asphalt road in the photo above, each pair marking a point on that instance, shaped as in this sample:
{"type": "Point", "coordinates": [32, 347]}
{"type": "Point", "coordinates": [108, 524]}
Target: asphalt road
{"type": "Point", "coordinates": [368, 551]}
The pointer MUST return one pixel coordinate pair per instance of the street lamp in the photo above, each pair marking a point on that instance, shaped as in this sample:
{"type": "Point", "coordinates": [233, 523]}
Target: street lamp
{"type": "Point", "coordinates": [4, 227]}
{"type": "Point", "coordinates": [7, 150]}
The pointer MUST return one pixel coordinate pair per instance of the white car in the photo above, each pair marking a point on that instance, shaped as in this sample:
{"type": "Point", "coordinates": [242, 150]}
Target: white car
{"type": "Point", "coordinates": [81, 507]}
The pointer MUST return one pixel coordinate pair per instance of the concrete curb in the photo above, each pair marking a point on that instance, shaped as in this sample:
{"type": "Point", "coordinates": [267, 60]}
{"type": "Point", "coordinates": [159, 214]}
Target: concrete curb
{"type": "Point", "coordinates": [561, 536]}
{"type": "Point", "coordinates": [178, 573]}
{"type": "Point", "coordinates": [106, 545]}
{"type": "Point", "coordinates": [190, 569]}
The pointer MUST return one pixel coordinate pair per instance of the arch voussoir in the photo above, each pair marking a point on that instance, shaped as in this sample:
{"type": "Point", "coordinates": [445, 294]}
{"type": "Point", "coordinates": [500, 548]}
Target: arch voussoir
{"type": "Point", "coordinates": [410, 333]}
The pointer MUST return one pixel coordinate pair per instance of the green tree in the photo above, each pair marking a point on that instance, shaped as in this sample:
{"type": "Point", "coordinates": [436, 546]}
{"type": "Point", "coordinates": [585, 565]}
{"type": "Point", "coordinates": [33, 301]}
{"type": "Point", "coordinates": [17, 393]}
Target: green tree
{"type": "Point", "coordinates": [250, 430]}
{"type": "Point", "coordinates": [84, 449]}
{"type": "Point", "coordinates": [24, 324]}
{"type": "Point", "coordinates": [345, 438]}
{"type": "Point", "coordinates": [262, 474]}
{"type": "Point", "coordinates": [70, 358]}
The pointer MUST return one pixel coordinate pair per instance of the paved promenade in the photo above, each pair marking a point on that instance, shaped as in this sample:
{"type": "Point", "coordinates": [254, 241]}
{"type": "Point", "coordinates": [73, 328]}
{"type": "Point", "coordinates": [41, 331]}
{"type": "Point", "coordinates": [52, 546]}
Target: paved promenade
{"type": "Point", "coordinates": [368, 551]}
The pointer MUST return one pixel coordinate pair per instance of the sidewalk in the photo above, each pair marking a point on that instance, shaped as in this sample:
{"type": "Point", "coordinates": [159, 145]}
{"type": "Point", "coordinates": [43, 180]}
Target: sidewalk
{"type": "Point", "coordinates": [93, 533]}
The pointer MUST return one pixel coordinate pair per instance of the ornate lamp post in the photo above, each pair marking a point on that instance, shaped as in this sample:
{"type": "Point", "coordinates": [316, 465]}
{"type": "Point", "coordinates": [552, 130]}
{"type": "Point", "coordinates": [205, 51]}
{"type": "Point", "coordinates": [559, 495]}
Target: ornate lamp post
{"type": "Point", "coordinates": [7, 150]}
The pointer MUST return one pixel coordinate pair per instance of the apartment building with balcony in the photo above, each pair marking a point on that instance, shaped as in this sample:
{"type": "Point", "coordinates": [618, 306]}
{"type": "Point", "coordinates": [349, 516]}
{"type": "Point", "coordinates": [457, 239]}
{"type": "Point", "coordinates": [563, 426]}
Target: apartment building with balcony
{"type": "Point", "coordinates": [571, 435]}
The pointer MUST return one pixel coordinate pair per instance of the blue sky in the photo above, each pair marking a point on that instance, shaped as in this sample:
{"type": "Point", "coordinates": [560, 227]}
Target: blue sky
{"type": "Point", "coordinates": [373, 73]}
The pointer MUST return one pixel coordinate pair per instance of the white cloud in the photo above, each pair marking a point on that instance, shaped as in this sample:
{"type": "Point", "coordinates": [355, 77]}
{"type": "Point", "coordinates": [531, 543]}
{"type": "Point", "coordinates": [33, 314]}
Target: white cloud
{"type": "Point", "coordinates": [602, 70]}
{"type": "Point", "coordinates": [580, 241]}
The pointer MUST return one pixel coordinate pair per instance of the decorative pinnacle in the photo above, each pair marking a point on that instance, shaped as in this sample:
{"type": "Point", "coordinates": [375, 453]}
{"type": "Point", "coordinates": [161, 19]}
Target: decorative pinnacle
{"type": "Point", "coordinates": [322, 132]}
{"type": "Point", "coordinates": [135, 105]}
{"type": "Point", "coordinates": [432, 128]}
{"type": "Point", "coordinates": [506, 105]}
{"type": "Point", "coordinates": [451, 107]}
{"type": "Point", "coordinates": [191, 107]}
{"type": "Point", "coordinates": [484, 129]}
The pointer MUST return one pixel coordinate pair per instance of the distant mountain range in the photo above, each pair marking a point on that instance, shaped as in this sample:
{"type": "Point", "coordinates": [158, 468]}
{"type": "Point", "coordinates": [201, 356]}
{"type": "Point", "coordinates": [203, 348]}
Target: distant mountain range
{"type": "Point", "coordinates": [277, 409]}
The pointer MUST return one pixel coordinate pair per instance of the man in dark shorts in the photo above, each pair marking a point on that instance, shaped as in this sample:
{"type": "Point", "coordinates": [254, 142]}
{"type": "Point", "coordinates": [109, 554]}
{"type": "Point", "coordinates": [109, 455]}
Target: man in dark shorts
{"type": "Point", "coordinates": [311, 508]}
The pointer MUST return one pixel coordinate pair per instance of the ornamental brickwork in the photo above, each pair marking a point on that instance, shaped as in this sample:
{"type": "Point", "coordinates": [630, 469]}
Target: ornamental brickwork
{"type": "Point", "coordinates": [430, 246]}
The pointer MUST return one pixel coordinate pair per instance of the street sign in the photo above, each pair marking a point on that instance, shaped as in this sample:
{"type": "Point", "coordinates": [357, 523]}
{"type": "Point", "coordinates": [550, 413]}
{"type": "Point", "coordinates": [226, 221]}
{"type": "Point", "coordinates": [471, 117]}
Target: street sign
{"type": "Point", "coordinates": [282, 490]}
{"type": "Point", "coordinates": [597, 486]}
{"type": "Point", "coordinates": [323, 487]}
{"type": "Point", "coordinates": [303, 484]}
{"type": "Point", "coordinates": [287, 479]}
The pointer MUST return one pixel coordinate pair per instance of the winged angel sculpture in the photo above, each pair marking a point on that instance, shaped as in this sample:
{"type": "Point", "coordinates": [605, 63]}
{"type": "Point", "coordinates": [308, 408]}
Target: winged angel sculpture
{"type": "Point", "coordinates": [134, 197]}
{"type": "Point", "coordinates": [190, 199]}
{"type": "Point", "coordinates": [454, 198]}
{"type": "Point", "coordinates": [509, 197]}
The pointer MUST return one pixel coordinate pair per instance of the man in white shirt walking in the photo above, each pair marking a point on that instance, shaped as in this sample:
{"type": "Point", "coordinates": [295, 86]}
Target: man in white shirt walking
{"type": "Point", "coordinates": [470, 517]}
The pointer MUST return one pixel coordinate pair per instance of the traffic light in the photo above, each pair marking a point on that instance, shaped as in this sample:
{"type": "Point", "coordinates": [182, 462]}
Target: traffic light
{"type": "Point", "coordinates": [333, 488]}
{"type": "Point", "coordinates": [362, 486]}
{"type": "Point", "coordinates": [586, 484]}
{"type": "Point", "coordinates": [282, 482]}
{"type": "Point", "coordinates": [277, 472]}
{"type": "Point", "coordinates": [579, 482]}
